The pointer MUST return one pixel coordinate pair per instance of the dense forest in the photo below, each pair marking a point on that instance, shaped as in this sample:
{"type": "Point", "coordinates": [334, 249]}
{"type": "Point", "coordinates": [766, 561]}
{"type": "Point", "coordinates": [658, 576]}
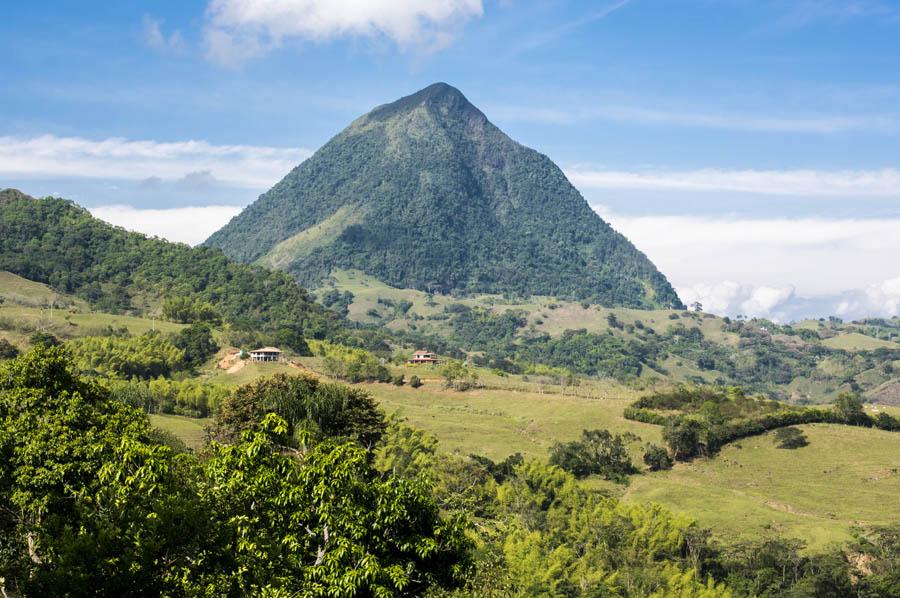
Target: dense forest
{"type": "Point", "coordinates": [306, 489]}
{"type": "Point", "coordinates": [426, 193]}
{"type": "Point", "coordinates": [54, 241]}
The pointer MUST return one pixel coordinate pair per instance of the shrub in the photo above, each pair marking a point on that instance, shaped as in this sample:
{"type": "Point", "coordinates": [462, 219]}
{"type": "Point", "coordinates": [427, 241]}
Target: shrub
{"type": "Point", "coordinates": [415, 381]}
{"type": "Point", "coordinates": [790, 438]}
{"type": "Point", "coordinates": [597, 452]}
{"type": "Point", "coordinates": [398, 380]}
{"type": "Point", "coordinates": [657, 458]}
{"type": "Point", "coordinates": [7, 349]}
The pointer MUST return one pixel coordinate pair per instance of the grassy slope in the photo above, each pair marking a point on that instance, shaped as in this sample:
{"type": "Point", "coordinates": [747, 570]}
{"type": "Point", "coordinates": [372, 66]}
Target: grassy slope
{"type": "Point", "coordinates": [26, 309]}
{"type": "Point", "coordinates": [845, 477]}
{"type": "Point", "coordinates": [21, 291]}
{"type": "Point", "coordinates": [854, 341]}
{"type": "Point", "coordinates": [191, 431]}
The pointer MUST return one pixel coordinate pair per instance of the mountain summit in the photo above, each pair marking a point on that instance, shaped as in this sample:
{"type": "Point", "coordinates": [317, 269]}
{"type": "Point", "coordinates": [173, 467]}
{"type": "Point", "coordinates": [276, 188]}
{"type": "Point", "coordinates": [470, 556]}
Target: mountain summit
{"type": "Point", "coordinates": [426, 193]}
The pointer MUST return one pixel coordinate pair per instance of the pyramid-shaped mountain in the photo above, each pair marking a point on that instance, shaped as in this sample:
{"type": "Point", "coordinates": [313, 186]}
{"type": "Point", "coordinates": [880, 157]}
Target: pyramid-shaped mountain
{"type": "Point", "coordinates": [426, 193]}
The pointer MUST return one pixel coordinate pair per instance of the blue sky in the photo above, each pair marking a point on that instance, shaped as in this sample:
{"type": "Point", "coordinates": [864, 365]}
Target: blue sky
{"type": "Point", "coordinates": [749, 147]}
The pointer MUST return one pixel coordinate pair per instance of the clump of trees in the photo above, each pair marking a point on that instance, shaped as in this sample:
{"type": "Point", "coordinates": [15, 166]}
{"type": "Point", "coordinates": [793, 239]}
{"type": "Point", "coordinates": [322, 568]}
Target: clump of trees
{"type": "Point", "coordinates": [350, 364]}
{"type": "Point", "coordinates": [706, 419]}
{"type": "Point", "coordinates": [459, 377]}
{"type": "Point", "coordinates": [95, 505]}
{"type": "Point", "coordinates": [190, 397]}
{"type": "Point", "coordinates": [310, 408]}
{"type": "Point", "coordinates": [657, 458]}
{"type": "Point", "coordinates": [597, 452]}
{"type": "Point", "coordinates": [149, 355]}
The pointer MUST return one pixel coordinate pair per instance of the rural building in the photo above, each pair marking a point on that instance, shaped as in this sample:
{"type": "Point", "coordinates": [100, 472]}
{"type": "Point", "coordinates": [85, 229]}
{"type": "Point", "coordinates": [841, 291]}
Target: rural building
{"type": "Point", "coordinates": [266, 354]}
{"type": "Point", "coordinates": [426, 357]}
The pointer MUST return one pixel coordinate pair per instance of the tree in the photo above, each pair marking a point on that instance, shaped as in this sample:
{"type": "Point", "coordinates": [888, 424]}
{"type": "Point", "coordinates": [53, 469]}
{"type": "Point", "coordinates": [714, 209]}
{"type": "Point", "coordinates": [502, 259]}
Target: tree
{"type": "Point", "coordinates": [313, 410]}
{"type": "Point", "coordinates": [790, 438]}
{"type": "Point", "coordinates": [458, 377]}
{"type": "Point", "coordinates": [686, 436]}
{"type": "Point", "coordinates": [197, 343]}
{"type": "Point", "coordinates": [8, 350]}
{"type": "Point", "coordinates": [97, 504]}
{"type": "Point", "coordinates": [657, 458]}
{"type": "Point", "coordinates": [43, 339]}
{"type": "Point", "coordinates": [849, 408]}
{"type": "Point", "coordinates": [597, 452]}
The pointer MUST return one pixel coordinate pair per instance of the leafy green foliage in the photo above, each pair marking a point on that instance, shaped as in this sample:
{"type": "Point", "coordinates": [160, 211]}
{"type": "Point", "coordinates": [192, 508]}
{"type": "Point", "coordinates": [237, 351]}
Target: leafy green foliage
{"type": "Point", "coordinates": [145, 356]}
{"type": "Point", "coordinates": [58, 243]}
{"type": "Point", "coordinates": [352, 365]}
{"type": "Point", "coordinates": [657, 458]}
{"type": "Point", "coordinates": [8, 350]}
{"type": "Point", "coordinates": [95, 505]}
{"type": "Point", "coordinates": [191, 397]}
{"type": "Point", "coordinates": [459, 377]}
{"type": "Point", "coordinates": [597, 452]}
{"type": "Point", "coordinates": [790, 438]}
{"type": "Point", "coordinates": [311, 409]}
{"type": "Point", "coordinates": [197, 343]}
{"type": "Point", "coordinates": [456, 206]}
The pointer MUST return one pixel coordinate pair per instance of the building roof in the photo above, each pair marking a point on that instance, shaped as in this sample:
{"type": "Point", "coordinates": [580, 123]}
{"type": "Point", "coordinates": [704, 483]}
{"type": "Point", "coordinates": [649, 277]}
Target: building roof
{"type": "Point", "coordinates": [267, 350]}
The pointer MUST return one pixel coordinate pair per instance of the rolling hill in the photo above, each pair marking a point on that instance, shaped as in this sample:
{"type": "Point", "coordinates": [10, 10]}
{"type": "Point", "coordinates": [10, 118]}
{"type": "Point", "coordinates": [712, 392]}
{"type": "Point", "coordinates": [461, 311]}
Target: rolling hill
{"type": "Point", "coordinates": [426, 193]}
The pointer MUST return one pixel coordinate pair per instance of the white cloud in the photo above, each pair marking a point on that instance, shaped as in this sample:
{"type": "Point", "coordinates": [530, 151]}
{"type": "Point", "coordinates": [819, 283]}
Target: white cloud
{"type": "Point", "coordinates": [777, 268]}
{"type": "Point", "coordinates": [191, 225]}
{"type": "Point", "coordinates": [837, 183]}
{"type": "Point", "coordinates": [159, 41]}
{"type": "Point", "coordinates": [819, 124]}
{"type": "Point", "coordinates": [238, 30]}
{"type": "Point", "coordinates": [148, 161]}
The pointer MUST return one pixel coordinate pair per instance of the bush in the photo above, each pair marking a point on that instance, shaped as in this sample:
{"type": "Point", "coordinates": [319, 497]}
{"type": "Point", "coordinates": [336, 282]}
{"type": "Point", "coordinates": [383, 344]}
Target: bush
{"type": "Point", "coordinates": [398, 380]}
{"type": "Point", "coordinates": [598, 452]}
{"type": "Point", "coordinates": [8, 350]}
{"type": "Point", "coordinates": [790, 438]}
{"type": "Point", "coordinates": [43, 339]}
{"type": "Point", "coordinates": [657, 458]}
{"type": "Point", "coordinates": [458, 377]}
{"type": "Point", "coordinates": [415, 381]}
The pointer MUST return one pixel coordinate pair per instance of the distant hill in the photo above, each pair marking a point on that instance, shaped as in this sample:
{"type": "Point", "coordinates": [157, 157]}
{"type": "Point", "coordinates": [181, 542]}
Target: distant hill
{"type": "Point", "coordinates": [425, 193]}
{"type": "Point", "coordinates": [56, 242]}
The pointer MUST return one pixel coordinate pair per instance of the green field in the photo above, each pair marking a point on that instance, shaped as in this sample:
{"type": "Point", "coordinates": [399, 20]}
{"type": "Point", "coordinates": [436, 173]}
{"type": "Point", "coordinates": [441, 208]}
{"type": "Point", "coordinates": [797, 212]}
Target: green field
{"type": "Point", "coordinates": [854, 341]}
{"type": "Point", "coordinates": [21, 291]}
{"type": "Point", "coordinates": [846, 477]}
{"type": "Point", "coordinates": [19, 322]}
{"type": "Point", "coordinates": [190, 430]}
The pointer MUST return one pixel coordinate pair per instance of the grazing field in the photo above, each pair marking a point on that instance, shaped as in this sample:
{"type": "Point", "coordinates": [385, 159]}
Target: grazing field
{"type": "Point", "coordinates": [190, 430]}
{"type": "Point", "coordinates": [22, 291]}
{"type": "Point", "coordinates": [70, 324]}
{"type": "Point", "coordinates": [846, 477]}
{"type": "Point", "coordinates": [496, 423]}
{"type": "Point", "coordinates": [854, 341]}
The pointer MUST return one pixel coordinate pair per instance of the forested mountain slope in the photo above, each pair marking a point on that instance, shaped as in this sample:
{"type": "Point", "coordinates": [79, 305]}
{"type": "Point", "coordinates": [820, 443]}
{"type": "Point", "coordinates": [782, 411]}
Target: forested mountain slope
{"type": "Point", "coordinates": [56, 242]}
{"type": "Point", "coordinates": [426, 193]}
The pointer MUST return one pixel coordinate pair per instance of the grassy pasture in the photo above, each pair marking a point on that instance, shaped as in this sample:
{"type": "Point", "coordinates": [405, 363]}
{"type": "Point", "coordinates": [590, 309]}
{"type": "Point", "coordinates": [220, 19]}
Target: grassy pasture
{"type": "Point", "coordinates": [21, 291]}
{"type": "Point", "coordinates": [190, 430]}
{"type": "Point", "coordinates": [854, 341]}
{"type": "Point", "coordinates": [846, 477]}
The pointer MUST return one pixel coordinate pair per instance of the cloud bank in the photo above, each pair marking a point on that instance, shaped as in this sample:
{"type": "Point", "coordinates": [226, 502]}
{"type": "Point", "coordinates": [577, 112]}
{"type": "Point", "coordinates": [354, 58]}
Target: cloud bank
{"type": "Point", "coordinates": [116, 158]}
{"type": "Point", "coordinates": [783, 269]}
{"type": "Point", "coordinates": [238, 30]}
{"type": "Point", "coordinates": [191, 225]}
{"type": "Point", "coordinates": [837, 183]}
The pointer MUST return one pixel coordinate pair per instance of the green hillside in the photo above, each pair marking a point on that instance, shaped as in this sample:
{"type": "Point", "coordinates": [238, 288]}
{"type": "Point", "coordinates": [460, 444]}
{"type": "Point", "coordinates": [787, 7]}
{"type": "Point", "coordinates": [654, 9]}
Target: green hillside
{"type": "Point", "coordinates": [60, 245]}
{"type": "Point", "coordinates": [426, 193]}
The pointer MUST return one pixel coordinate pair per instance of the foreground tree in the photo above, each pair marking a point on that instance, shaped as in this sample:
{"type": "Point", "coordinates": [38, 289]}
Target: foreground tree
{"type": "Point", "coordinates": [94, 504]}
